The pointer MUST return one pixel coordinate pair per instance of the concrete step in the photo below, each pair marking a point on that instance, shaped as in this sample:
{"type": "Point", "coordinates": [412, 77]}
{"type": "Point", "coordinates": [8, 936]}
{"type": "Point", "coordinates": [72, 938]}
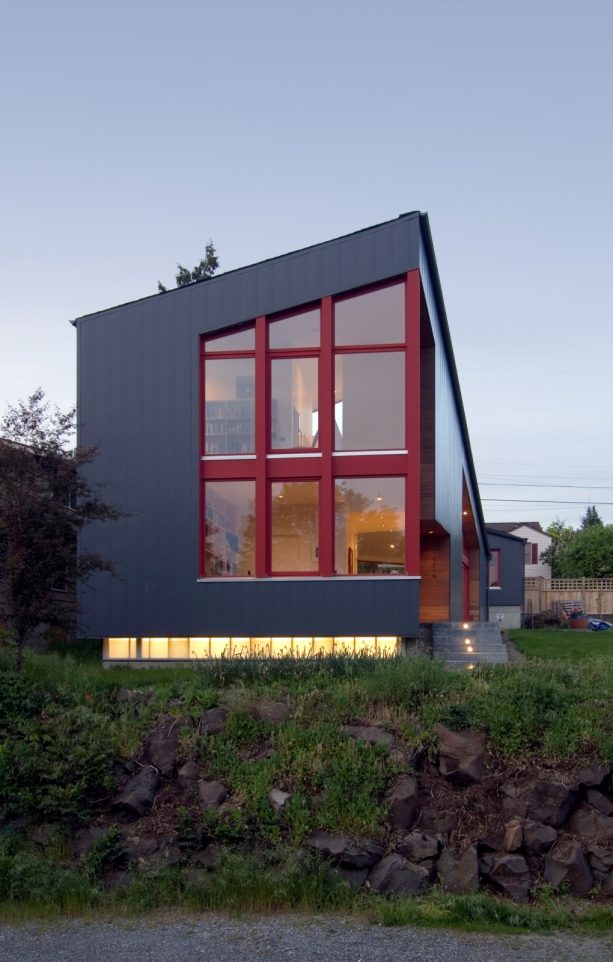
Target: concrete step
{"type": "Point", "coordinates": [449, 643]}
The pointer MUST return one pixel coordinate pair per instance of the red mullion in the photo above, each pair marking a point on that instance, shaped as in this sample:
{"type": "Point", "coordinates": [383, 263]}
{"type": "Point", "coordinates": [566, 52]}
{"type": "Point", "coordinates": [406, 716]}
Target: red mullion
{"type": "Point", "coordinates": [293, 352]}
{"type": "Point", "coordinates": [292, 469]}
{"type": "Point", "coordinates": [261, 447]}
{"type": "Point", "coordinates": [201, 469]}
{"type": "Point", "coordinates": [210, 356]}
{"type": "Point", "coordinates": [326, 440]}
{"type": "Point", "coordinates": [230, 469]}
{"type": "Point", "coordinates": [413, 440]}
{"type": "Point", "coordinates": [368, 348]}
{"type": "Point", "coordinates": [379, 466]}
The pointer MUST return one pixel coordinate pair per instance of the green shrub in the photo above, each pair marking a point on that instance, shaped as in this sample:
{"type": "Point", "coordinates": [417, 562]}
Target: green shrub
{"type": "Point", "coordinates": [59, 765]}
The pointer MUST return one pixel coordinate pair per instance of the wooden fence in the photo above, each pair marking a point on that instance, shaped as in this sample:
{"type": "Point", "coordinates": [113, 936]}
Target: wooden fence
{"type": "Point", "coordinates": [593, 595]}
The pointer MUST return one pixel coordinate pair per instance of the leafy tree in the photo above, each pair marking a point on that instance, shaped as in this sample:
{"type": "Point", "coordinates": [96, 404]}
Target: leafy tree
{"type": "Point", "coordinates": [201, 272]}
{"type": "Point", "coordinates": [588, 554]}
{"type": "Point", "coordinates": [591, 518]}
{"type": "Point", "coordinates": [561, 535]}
{"type": "Point", "coordinates": [45, 501]}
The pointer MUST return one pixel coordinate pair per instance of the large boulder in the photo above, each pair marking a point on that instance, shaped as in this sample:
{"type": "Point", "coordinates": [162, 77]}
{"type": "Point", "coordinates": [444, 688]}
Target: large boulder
{"type": "Point", "coordinates": [550, 802]}
{"type": "Point", "coordinates": [599, 801]}
{"type": "Point", "coordinates": [274, 712]}
{"type": "Point", "coordinates": [511, 875]}
{"type": "Point", "coordinates": [513, 836]}
{"type": "Point", "coordinates": [138, 795]}
{"type": "Point", "coordinates": [329, 844]}
{"type": "Point", "coordinates": [278, 799]}
{"type": "Point", "coordinates": [463, 756]}
{"type": "Point", "coordinates": [395, 875]}
{"type": "Point", "coordinates": [188, 775]}
{"type": "Point", "coordinates": [213, 721]}
{"type": "Point", "coordinates": [349, 854]}
{"type": "Point", "coordinates": [566, 864]}
{"type": "Point", "coordinates": [163, 749]}
{"type": "Point", "coordinates": [594, 776]}
{"type": "Point", "coordinates": [459, 871]}
{"type": "Point", "coordinates": [419, 847]}
{"type": "Point", "coordinates": [591, 824]}
{"type": "Point", "coordinates": [538, 838]}
{"type": "Point", "coordinates": [369, 734]}
{"type": "Point", "coordinates": [402, 799]}
{"type": "Point", "coordinates": [600, 858]}
{"type": "Point", "coordinates": [211, 794]}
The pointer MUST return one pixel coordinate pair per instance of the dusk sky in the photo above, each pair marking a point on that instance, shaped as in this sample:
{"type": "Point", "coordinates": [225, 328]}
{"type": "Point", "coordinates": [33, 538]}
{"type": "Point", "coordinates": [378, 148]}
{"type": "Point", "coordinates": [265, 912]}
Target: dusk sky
{"type": "Point", "coordinates": [134, 130]}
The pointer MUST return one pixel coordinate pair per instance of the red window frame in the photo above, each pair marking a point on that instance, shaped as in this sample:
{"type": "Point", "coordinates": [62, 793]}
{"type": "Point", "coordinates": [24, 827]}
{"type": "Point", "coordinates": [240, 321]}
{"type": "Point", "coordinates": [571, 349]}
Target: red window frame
{"type": "Point", "coordinates": [320, 464]}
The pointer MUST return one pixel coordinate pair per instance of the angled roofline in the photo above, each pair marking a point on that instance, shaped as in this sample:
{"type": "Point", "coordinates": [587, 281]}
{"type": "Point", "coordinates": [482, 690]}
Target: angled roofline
{"type": "Point", "coordinates": [504, 534]}
{"type": "Point", "coordinates": [244, 267]}
{"type": "Point", "coordinates": [424, 221]}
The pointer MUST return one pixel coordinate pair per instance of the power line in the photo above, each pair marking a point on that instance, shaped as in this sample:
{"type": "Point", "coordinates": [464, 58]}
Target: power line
{"type": "Point", "coordinates": [542, 501]}
{"type": "Point", "coordinates": [544, 484]}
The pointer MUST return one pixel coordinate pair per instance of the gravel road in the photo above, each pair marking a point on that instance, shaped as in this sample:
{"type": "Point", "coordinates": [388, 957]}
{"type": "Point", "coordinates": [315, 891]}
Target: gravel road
{"type": "Point", "coordinates": [211, 938]}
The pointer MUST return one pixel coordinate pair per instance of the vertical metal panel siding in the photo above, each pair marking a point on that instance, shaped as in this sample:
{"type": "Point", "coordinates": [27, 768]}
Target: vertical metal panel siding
{"type": "Point", "coordinates": [139, 399]}
{"type": "Point", "coordinates": [450, 459]}
{"type": "Point", "coordinates": [511, 591]}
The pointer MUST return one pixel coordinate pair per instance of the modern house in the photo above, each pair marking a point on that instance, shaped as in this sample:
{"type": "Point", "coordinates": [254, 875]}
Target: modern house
{"type": "Point", "coordinates": [536, 542]}
{"type": "Point", "coordinates": [506, 578]}
{"type": "Point", "coordinates": [289, 445]}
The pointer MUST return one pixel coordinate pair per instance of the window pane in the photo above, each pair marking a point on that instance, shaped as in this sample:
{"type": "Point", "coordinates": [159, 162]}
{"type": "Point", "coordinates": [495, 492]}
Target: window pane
{"type": "Point", "coordinates": [294, 403]}
{"type": "Point", "coordinates": [494, 581]}
{"type": "Point", "coordinates": [237, 341]}
{"type": "Point", "coordinates": [229, 404]}
{"type": "Point", "coordinates": [229, 512]}
{"type": "Point", "coordinates": [295, 526]}
{"type": "Point", "coordinates": [373, 318]}
{"type": "Point", "coordinates": [300, 330]}
{"type": "Point", "coordinates": [369, 526]}
{"type": "Point", "coordinates": [369, 402]}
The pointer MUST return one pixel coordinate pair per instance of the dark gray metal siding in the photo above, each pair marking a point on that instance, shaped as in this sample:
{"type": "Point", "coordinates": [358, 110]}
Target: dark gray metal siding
{"type": "Point", "coordinates": [451, 459]}
{"type": "Point", "coordinates": [511, 591]}
{"type": "Point", "coordinates": [138, 395]}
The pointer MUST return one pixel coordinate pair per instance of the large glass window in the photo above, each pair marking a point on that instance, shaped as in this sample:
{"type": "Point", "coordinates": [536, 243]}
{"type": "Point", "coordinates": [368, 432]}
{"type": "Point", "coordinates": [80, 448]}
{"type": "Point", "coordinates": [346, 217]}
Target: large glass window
{"type": "Point", "coordinates": [369, 526]}
{"type": "Point", "coordinates": [297, 331]}
{"type": "Point", "coordinates": [243, 340]}
{"type": "Point", "coordinates": [229, 405]}
{"type": "Point", "coordinates": [294, 402]}
{"type": "Point", "coordinates": [295, 526]}
{"type": "Point", "coordinates": [369, 401]}
{"type": "Point", "coordinates": [229, 521]}
{"type": "Point", "coordinates": [376, 317]}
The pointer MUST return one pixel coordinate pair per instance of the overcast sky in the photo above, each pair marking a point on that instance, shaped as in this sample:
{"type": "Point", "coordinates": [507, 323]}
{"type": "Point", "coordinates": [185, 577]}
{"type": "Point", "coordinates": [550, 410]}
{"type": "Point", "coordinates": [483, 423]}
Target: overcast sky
{"type": "Point", "coordinates": [134, 130]}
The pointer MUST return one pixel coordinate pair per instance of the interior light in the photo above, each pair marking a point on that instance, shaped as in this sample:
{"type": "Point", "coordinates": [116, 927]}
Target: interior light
{"type": "Point", "coordinates": [392, 546]}
{"type": "Point", "coordinates": [465, 513]}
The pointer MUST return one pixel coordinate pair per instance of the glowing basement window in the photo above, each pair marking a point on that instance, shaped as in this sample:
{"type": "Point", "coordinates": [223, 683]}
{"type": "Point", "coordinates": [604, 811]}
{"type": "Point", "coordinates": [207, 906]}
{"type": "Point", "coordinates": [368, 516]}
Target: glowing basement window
{"type": "Point", "coordinates": [195, 649]}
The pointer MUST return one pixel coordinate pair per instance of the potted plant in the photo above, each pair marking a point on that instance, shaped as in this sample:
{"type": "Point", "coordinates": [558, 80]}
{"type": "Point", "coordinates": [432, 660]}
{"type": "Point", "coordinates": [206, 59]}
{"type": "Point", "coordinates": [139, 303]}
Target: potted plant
{"type": "Point", "coordinates": [577, 619]}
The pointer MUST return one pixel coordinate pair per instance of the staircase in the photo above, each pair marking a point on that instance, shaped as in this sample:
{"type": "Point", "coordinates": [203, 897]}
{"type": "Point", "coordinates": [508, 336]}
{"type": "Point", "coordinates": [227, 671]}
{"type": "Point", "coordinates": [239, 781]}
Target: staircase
{"type": "Point", "coordinates": [463, 644]}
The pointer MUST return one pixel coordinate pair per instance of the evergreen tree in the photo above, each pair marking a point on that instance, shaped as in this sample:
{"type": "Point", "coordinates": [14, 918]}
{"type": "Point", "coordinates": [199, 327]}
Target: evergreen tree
{"type": "Point", "coordinates": [591, 518]}
{"type": "Point", "coordinates": [201, 272]}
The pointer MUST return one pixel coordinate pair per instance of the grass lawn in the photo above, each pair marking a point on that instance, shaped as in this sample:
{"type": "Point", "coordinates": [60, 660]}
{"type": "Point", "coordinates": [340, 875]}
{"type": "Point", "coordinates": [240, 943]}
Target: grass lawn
{"type": "Point", "coordinates": [564, 645]}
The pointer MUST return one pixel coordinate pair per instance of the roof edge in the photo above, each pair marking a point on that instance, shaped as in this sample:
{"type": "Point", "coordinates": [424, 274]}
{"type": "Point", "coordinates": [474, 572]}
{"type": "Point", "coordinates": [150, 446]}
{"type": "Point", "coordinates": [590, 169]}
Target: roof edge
{"type": "Point", "coordinates": [245, 267]}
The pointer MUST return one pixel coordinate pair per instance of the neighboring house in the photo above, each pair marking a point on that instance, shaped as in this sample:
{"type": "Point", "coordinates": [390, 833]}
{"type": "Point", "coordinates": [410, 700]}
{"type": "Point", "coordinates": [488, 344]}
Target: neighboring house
{"type": "Point", "coordinates": [289, 445]}
{"type": "Point", "coordinates": [536, 542]}
{"type": "Point", "coordinates": [506, 577]}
